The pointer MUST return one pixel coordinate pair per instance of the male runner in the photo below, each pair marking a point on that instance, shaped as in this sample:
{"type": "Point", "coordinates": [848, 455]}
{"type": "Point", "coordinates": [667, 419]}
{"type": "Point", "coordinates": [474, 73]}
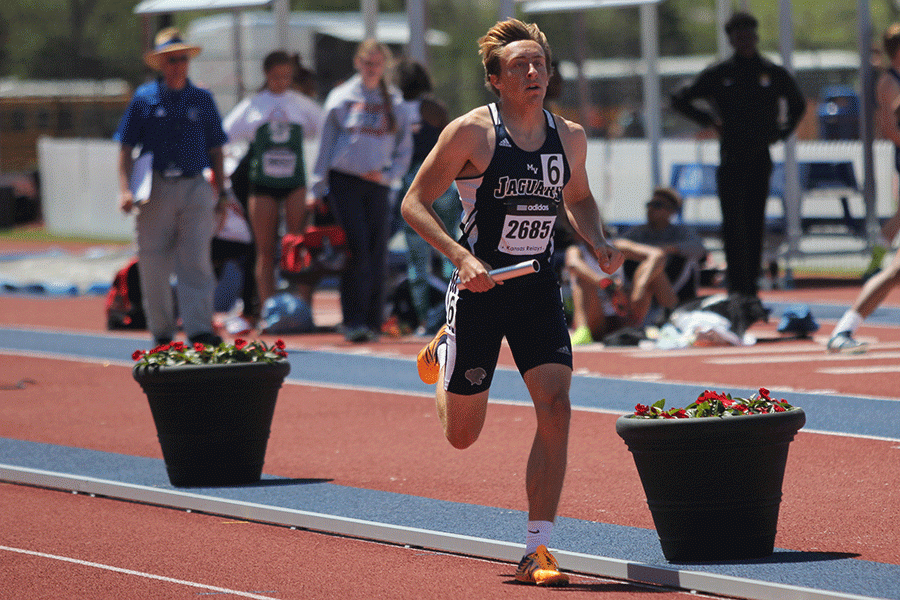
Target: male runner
{"type": "Point", "coordinates": [514, 165]}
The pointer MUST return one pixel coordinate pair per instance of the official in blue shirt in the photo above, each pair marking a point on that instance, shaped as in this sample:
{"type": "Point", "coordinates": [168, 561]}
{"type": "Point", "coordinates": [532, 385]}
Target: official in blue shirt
{"type": "Point", "coordinates": [179, 125]}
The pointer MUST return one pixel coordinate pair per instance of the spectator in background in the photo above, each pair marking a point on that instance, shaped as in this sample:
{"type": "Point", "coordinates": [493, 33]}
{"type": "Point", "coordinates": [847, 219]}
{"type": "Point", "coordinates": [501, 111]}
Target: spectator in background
{"type": "Point", "coordinates": [428, 117]}
{"type": "Point", "coordinates": [366, 146]}
{"type": "Point", "coordinates": [662, 264]}
{"type": "Point", "coordinates": [745, 93]}
{"type": "Point", "coordinates": [304, 79]}
{"type": "Point", "coordinates": [887, 97]}
{"type": "Point", "coordinates": [179, 125]}
{"type": "Point", "coordinates": [274, 122]}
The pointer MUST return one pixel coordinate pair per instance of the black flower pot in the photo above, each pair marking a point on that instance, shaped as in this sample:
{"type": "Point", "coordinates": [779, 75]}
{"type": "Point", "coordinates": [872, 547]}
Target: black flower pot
{"type": "Point", "coordinates": [713, 484]}
{"type": "Point", "coordinates": [213, 421]}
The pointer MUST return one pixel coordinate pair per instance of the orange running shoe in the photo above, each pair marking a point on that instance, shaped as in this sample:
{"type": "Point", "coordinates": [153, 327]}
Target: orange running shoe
{"type": "Point", "coordinates": [540, 568]}
{"type": "Point", "coordinates": [427, 361]}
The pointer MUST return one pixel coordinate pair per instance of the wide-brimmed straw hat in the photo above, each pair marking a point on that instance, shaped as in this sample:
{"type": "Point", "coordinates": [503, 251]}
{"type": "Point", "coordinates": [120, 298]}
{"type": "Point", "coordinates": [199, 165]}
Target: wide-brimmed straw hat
{"type": "Point", "coordinates": [168, 41]}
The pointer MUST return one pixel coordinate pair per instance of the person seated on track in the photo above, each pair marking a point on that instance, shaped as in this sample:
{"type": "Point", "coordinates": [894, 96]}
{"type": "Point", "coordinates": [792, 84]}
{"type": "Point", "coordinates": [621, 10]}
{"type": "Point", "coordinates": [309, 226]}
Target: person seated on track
{"type": "Point", "coordinates": [662, 266]}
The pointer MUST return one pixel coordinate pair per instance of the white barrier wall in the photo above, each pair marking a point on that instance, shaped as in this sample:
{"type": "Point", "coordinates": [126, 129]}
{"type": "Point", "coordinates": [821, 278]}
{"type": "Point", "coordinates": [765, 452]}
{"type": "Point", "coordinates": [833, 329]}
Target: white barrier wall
{"type": "Point", "coordinates": [79, 188]}
{"type": "Point", "coordinates": [621, 181]}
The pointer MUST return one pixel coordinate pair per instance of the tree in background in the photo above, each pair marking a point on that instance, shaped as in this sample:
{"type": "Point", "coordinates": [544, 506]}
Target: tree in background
{"type": "Point", "coordinates": [68, 39]}
{"type": "Point", "coordinates": [102, 38]}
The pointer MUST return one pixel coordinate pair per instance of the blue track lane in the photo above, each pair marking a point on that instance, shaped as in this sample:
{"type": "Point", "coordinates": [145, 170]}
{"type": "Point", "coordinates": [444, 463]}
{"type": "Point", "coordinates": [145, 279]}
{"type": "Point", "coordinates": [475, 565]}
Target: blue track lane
{"type": "Point", "coordinates": [828, 571]}
{"type": "Point", "coordinates": [824, 412]}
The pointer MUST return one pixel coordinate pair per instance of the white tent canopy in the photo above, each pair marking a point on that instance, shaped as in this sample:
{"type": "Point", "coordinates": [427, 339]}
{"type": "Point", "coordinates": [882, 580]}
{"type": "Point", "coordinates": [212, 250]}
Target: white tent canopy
{"type": "Point", "coordinates": [156, 7]}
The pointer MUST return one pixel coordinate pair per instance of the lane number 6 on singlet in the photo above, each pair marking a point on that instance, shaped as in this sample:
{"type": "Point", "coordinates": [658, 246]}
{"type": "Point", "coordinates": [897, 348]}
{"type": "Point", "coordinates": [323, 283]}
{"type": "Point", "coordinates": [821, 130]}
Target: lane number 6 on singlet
{"type": "Point", "coordinates": [552, 168]}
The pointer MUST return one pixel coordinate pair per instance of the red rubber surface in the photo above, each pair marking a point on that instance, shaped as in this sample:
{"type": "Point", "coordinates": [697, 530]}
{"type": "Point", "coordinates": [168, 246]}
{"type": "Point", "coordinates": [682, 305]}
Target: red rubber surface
{"type": "Point", "coordinates": [840, 492]}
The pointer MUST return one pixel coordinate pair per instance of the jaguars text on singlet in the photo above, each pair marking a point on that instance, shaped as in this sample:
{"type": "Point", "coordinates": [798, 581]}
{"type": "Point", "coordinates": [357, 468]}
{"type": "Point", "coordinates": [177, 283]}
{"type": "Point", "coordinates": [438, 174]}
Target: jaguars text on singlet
{"type": "Point", "coordinates": [509, 210]}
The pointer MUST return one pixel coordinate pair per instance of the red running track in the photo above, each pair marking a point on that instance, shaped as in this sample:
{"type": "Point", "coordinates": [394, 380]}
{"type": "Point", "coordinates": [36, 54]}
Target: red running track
{"type": "Point", "coordinates": [840, 492]}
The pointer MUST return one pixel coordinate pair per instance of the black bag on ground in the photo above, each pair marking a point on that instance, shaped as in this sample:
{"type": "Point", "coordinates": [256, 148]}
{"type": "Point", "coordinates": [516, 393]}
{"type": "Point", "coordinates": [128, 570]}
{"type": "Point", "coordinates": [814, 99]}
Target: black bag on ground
{"type": "Point", "coordinates": [124, 309]}
{"type": "Point", "coordinates": [626, 336]}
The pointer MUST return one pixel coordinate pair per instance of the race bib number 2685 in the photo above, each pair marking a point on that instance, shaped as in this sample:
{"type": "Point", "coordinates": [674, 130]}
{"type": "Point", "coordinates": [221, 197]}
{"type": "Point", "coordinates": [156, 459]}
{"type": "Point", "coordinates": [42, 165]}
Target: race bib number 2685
{"type": "Point", "coordinates": [526, 234]}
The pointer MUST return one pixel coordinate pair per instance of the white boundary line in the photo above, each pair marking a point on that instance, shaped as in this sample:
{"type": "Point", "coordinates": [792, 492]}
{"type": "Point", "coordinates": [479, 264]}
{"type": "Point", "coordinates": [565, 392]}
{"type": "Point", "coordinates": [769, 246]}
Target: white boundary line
{"type": "Point", "coordinates": [498, 401]}
{"type": "Point", "coordinates": [746, 360]}
{"type": "Point", "coordinates": [396, 534]}
{"type": "Point", "coordinates": [85, 563]}
{"type": "Point", "coordinates": [860, 370]}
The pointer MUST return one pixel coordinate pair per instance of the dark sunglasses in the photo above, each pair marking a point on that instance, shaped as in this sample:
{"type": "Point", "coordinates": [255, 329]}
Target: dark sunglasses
{"type": "Point", "coordinates": [174, 60]}
{"type": "Point", "coordinates": [660, 204]}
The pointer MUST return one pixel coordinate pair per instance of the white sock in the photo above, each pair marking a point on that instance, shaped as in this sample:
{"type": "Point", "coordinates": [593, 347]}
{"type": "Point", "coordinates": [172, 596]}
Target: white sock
{"type": "Point", "coordinates": [442, 354]}
{"type": "Point", "coordinates": [848, 323]}
{"type": "Point", "coordinates": [538, 535]}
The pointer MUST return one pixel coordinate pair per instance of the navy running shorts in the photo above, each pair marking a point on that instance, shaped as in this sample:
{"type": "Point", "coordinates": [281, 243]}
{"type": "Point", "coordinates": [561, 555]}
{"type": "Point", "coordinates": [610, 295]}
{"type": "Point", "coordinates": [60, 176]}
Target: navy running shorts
{"type": "Point", "coordinates": [528, 311]}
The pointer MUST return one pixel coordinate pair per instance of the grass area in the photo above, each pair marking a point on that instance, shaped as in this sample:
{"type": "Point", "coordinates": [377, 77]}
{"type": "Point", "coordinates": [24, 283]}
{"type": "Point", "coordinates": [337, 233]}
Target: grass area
{"type": "Point", "coordinates": [35, 232]}
{"type": "Point", "coordinates": [848, 275]}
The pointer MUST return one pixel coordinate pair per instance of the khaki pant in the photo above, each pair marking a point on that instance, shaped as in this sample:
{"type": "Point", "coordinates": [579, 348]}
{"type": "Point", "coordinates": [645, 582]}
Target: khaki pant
{"type": "Point", "coordinates": [174, 232]}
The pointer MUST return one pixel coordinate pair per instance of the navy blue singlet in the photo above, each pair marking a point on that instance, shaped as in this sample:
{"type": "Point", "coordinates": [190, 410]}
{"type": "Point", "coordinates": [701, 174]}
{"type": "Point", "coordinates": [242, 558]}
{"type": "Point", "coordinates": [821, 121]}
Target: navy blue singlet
{"type": "Point", "coordinates": [509, 211]}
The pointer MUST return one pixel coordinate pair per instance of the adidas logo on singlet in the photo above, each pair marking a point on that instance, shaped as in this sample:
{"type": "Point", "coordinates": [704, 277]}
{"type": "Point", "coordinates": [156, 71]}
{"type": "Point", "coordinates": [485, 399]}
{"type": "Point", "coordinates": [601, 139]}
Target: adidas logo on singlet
{"type": "Point", "coordinates": [505, 143]}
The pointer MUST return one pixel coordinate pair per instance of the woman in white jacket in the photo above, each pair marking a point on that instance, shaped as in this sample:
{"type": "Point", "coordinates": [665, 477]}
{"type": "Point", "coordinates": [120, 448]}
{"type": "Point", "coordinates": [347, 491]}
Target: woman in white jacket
{"type": "Point", "coordinates": [274, 122]}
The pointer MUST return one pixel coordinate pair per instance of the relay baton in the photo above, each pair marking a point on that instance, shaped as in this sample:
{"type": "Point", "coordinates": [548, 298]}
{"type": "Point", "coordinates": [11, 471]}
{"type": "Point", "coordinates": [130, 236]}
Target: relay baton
{"type": "Point", "coordinates": [517, 270]}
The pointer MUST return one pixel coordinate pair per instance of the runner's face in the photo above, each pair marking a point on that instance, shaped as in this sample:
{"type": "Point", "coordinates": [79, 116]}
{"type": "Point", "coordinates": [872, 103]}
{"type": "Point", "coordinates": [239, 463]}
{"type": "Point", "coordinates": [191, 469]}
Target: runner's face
{"type": "Point", "coordinates": [523, 71]}
{"type": "Point", "coordinates": [278, 78]}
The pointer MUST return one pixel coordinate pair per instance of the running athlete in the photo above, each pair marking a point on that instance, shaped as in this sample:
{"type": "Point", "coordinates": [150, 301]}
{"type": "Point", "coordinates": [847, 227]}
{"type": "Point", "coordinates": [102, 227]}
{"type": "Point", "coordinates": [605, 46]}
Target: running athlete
{"type": "Point", "coordinates": [515, 166]}
{"type": "Point", "coordinates": [887, 96]}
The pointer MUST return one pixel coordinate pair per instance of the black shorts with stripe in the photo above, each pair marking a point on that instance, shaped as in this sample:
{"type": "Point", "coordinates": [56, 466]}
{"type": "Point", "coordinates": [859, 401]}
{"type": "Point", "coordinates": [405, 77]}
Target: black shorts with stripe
{"type": "Point", "coordinates": [528, 311]}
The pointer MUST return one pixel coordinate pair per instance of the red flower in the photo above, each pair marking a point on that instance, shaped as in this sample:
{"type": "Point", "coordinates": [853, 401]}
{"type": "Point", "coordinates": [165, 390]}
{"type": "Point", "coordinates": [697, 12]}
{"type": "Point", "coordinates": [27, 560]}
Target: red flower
{"type": "Point", "coordinates": [279, 344]}
{"type": "Point", "coordinates": [709, 395]}
{"type": "Point", "coordinates": [715, 404]}
{"type": "Point", "coordinates": [179, 353]}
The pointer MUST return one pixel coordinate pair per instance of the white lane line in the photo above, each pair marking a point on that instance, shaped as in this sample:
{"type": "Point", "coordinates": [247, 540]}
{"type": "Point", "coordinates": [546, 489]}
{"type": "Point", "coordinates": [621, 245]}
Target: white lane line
{"type": "Point", "coordinates": [860, 370]}
{"type": "Point", "coordinates": [817, 346]}
{"type": "Point", "coordinates": [429, 395]}
{"type": "Point", "coordinates": [94, 565]}
{"type": "Point", "coordinates": [67, 357]}
{"type": "Point", "coordinates": [759, 348]}
{"type": "Point", "coordinates": [822, 357]}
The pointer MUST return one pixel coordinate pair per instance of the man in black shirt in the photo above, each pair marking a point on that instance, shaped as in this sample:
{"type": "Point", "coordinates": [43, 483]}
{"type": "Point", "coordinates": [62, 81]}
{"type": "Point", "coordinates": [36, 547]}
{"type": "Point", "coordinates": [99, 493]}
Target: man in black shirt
{"type": "Point", "coordinates": [746, 93]}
